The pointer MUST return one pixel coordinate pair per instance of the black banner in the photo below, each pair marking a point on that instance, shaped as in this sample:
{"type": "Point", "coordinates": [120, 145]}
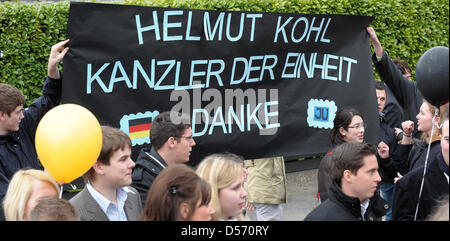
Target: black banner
{"type": "Point", "coordinates": [255, 84]}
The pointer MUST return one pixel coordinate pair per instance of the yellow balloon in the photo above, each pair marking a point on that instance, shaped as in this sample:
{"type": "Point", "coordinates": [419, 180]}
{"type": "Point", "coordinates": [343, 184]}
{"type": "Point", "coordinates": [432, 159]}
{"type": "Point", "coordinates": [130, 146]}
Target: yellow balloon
{"type": "Point", "coordinates": [68, 141]}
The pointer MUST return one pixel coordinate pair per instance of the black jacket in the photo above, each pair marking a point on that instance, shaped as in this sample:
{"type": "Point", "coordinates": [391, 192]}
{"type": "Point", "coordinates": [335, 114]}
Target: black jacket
{"type": "Point", "coordinates": [389, 167]}
{"type": "Point", "coordinates": [393, 110]}
{"type": "Point", "coordinates": [406, 191]}
{"type": "Point", "coordinates": [17, 149]}
{"type": "Point", "coordinates": [413, 156]}
{"type": "Point", "coordinates": [340, 207]}
{"type": "Point", "coordinates": [418, 154]}
{"type": "Point", "coordinates": [146, 170]}
{"type": "Point", "coordinates": [404, 90]}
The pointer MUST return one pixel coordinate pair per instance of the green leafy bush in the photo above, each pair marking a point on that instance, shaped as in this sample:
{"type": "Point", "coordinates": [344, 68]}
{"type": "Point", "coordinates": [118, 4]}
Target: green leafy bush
{"type": "Point", "coordinates": [27, 33]}
{"type": "Point", "coordinates": [406, 28]}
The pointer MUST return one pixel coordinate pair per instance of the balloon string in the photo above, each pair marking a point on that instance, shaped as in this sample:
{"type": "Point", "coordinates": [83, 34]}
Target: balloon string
{"type": "Point", "coordinates": [426, 161]}
{"type": "Point", "coordinates": [61, 189]}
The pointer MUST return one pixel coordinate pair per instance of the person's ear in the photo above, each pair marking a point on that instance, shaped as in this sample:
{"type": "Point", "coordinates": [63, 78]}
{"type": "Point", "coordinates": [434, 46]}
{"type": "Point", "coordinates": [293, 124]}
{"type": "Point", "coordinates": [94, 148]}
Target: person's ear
{"type": "Point", "coordinates": [342, 131]}
{"type": "Point", "coordinates": [172, 142]}
{"type": "Point", "coordinates": [184, 211]}
{"type": "Point", "coordinates": [347, 176]}
{"type": "Point", "coordinates": [2, 115]}
{"type": "Point", "coordinates": [98, 167]}
{"type": "Point", "coordinates": [438, 121]}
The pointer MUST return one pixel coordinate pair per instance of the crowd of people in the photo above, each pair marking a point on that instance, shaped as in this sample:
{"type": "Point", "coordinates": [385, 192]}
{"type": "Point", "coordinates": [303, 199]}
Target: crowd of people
{"type": "Point", "coordinates": [404, 176]}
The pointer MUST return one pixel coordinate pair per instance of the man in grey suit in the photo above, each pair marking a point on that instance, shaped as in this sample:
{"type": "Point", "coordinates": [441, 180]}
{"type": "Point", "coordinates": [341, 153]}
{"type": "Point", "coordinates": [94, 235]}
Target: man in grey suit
{"type": "Point", "coordinates": [107, 195]}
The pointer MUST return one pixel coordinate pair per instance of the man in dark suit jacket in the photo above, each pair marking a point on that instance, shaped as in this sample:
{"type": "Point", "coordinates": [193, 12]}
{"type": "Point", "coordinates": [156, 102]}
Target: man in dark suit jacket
{"type": "Point", "coordinates": [107, 195]}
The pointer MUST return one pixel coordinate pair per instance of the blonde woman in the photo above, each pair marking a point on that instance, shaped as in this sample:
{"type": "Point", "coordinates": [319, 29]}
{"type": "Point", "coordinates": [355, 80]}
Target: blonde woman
{"type": "Point", "coordinates": [24, 191]}
{"type": "Point", "coordinates": [425, 124]}
{"type": "Point", "coordinates": [226, 175]}
{"type": "Point", "coordinates": [417, 195]}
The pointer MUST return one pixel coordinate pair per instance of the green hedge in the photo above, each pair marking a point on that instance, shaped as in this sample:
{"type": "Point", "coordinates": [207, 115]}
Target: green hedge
{"type": "Point", "coordinates": [406, 28]}
{"type": "Point", "coordinates": [27, 33]}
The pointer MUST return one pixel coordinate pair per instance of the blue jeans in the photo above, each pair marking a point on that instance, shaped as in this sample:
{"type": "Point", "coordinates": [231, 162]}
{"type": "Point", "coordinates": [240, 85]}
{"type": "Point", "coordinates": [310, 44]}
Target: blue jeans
{"type": "Point", "coordinates": [387, 191]}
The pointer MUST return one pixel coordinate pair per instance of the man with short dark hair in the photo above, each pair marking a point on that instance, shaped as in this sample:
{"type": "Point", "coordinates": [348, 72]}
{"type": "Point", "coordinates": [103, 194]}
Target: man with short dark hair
{"type": "Point", "coordinates": [353, 194]}
{"type": "Point", "coordinates": [403, 67]}
{"type": "Point", "coordinates": [172, 142]}
{"type": "Point", "coordinates": [18, 126]}
{"type": "Point", "coordinates": [387, 150]}
{"type": "Point", "coordinates": [107, 195]}
{"type": "Point", "coordinates": [399, 82]}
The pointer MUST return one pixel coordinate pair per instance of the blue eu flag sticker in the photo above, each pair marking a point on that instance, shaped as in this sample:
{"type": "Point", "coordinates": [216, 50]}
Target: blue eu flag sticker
{"type": "Point", "coordinates": [321, 113]}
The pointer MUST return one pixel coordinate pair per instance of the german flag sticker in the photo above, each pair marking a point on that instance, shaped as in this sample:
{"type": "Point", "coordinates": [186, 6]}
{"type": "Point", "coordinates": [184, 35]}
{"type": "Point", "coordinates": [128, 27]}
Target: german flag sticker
{"type": "Point", "coordinates": [137, 126]}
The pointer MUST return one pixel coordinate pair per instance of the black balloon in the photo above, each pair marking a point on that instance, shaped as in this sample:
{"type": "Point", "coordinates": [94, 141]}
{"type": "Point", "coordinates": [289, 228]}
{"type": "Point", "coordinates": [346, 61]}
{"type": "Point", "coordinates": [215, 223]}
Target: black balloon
{"type": "Point", "coordinates": [432, 75]}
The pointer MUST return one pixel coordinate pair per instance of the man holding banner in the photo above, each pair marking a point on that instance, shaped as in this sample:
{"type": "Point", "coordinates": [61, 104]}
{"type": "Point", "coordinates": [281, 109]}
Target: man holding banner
{"type": "Point", "coordinates": [18, 127]}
